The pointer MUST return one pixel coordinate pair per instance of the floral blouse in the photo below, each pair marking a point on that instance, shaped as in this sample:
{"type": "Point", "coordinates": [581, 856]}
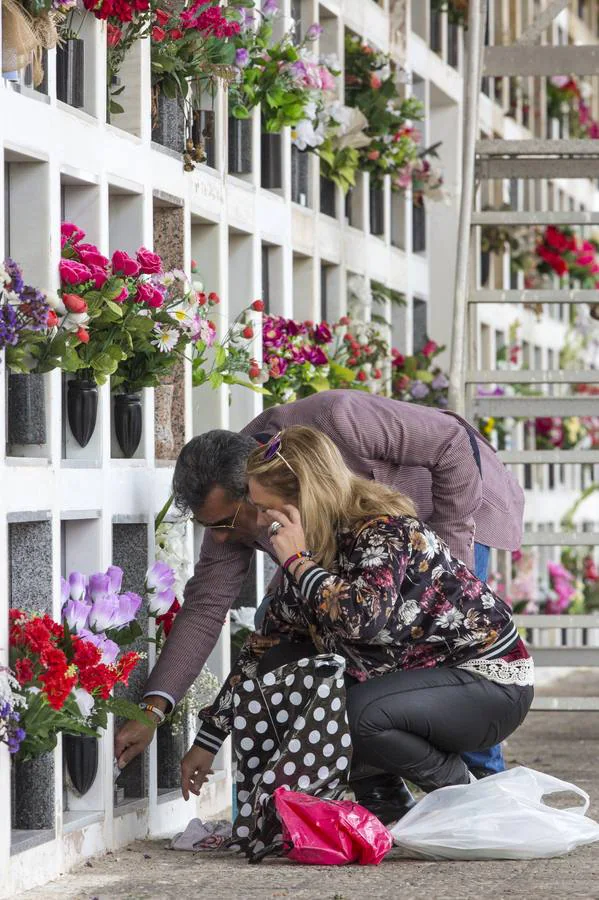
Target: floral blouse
{"type": "Point", "coordinates": [394, 599]}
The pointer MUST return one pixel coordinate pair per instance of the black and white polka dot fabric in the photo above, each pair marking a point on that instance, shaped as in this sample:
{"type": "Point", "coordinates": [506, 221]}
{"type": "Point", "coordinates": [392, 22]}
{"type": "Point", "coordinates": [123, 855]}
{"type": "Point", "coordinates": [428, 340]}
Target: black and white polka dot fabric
{"type": "Point", "coordinates": [290, 729]}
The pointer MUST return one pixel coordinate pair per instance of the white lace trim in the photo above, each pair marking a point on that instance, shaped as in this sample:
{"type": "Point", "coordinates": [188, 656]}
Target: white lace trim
{"type": "Point", "coordinates": [518, 671]}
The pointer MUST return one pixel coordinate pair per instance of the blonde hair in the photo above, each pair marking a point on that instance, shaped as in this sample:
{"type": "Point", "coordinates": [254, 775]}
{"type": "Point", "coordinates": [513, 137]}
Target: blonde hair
{"type": "Point", "coordinates": [309, 473]}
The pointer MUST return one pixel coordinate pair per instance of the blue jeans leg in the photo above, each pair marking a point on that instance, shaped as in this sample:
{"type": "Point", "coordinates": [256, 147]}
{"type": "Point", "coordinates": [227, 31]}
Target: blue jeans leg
{"type": "Point", "coordinates": [491, 760]}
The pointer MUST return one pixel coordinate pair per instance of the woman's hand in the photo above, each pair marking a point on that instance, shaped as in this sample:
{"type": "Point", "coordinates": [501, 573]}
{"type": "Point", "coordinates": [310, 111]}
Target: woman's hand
{"type": "Point", "coordinates": [290, 537]}
{"type": "Point", "coordinates": [196, 766]}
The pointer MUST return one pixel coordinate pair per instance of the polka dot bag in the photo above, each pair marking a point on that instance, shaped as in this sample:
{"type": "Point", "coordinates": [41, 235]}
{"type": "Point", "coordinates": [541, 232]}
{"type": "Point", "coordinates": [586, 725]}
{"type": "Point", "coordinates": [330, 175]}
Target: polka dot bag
{"type": "Point", "coordinates": [290, 729]}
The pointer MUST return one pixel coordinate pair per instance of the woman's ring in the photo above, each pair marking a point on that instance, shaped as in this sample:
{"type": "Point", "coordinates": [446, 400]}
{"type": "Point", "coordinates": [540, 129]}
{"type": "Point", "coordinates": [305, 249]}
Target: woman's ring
{"type": "Point", "coordinates": [274, 528]}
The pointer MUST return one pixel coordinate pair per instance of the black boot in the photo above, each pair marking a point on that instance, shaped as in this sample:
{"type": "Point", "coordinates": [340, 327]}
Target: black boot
{"type": "Point", "coordinates": [386, 796]}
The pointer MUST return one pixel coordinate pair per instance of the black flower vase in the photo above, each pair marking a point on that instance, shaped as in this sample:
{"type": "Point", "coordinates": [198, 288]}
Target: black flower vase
{"type": "Point", "coordinates": [82, 409]}
{"type": "Point", "coordinates": [240, 146]}
{"type": "Point", "coordinates": [69, 71]}
{"type": "Point", "coordinates": [300, 170]}
{"type": "Point", "coordinates": [171, 749]}
{"type": "Point", "coordinates": [127, 422]}
{"type": "Point", "coordinates": [271, 161]}
{"type": "Point", "coordinates": [81, 759]}
{"type": "Point", "coordinates": [26, 409]}
{"type": "Point", "coordinates": [377, 211]}
{"type": "Point", "coordinates": [485, 266]}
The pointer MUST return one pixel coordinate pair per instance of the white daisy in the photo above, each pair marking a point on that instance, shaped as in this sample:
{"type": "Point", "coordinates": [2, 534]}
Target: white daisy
{"type": "Point", "coordinates": [451, 619]}
{"type": "Point", "coordinates": [488, 601]}
{"type": "Point", "coordinates": [183, 313]}
{"type": "Point", "coordinates": [166, 339]}
{"type": "Point", "coordinates": [408, 611]}
{"type": "Point", "coordinates": [373, 557]}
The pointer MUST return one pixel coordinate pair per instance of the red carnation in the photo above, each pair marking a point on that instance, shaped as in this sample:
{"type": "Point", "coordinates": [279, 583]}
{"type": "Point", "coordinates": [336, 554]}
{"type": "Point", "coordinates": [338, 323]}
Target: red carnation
{"type": "Point", "coordinates": [86, 654]}
{"type": "Point", "coordinates": [126, 665]}
{"type": "Point", "coordinates": [248, 332]}
{"type": "Point", "coordinates": [162, 16]}
{"type": "Point", "coordinates": [213, 298]}
{"type": "Point", "coordinates": [258, 305]}
{"type": "Point", "coordinates": [24, 670]}
{"type": "Point", "coordinates": [158, 34]}
{"type": "Point", "coordinates": [101, 678]}
{"type": "Point", "coordinates": [361, 376]}
{"type": "Point", "coordinates": [83, 335]}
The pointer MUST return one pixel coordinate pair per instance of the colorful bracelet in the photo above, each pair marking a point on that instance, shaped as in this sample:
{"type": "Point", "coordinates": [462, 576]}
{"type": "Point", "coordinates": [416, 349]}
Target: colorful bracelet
{"type": "Point", "coordinates": [306, 554]}
{"type": "Point", "coordinates": [305, 559]}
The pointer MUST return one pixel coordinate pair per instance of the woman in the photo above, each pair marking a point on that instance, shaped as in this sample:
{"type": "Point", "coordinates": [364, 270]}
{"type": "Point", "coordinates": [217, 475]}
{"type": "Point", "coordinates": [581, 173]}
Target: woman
{"type": "Point", "coordinates": [435, 665]}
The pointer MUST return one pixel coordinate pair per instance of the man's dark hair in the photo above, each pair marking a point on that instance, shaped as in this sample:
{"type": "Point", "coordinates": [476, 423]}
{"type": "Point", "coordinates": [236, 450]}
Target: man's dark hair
{"type": "Point", "coordinates": [217, 458]}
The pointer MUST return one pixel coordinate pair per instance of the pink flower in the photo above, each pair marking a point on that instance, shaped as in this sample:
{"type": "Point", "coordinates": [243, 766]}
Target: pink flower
{"type": "Point", "coordinates": [151, 263]}
{"type": "Point", "coordinates": [92, 258]}
{"type": "Point", "coordinates": [156, 300]}
{"type": "Point", "coordinates": [144, 293]}
{"type": "Point", "coordinates": [99, 277]}
{"type": "Point", "coordinates": [73, 272]}
{"type": "Point", "coordinates": [429, 348]}
{"type": "Point", "coordinates": [322, 333]}
{"type": "Point", "coordinates": [71, 232]}
{"type": "Point", "coordinates": [373, 154]}
{"type": "Point", "coordinates": [123, 264]}
{"type": "Point", "coordinates": [122, 296]}
{"type": "Point", "coordinates": [375, 82]}
{"type": "Point", "coordinates": [276, 366]}
{"type": "Point", "coordinates": [327, 80]}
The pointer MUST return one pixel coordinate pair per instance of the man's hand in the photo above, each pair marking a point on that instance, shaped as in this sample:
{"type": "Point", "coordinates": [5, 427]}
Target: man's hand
{"type": "Point", "coordinates": [196, 766]}
{"type": "Point", "coordinates": [134, 737]}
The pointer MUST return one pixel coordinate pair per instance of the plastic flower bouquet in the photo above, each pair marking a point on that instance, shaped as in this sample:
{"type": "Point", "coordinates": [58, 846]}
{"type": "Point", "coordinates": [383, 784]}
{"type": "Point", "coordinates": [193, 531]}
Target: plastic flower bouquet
{"type": "Point", "coordinates": [66, 672]}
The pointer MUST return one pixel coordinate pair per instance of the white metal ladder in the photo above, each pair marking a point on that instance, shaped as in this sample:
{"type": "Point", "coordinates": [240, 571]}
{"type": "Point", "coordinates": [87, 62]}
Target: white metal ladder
{"type": "Point", "coordinates": [530, 159]}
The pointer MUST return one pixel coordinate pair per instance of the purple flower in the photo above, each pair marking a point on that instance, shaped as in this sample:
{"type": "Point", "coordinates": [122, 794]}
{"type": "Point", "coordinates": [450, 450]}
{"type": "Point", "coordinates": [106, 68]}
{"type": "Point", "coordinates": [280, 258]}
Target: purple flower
{"type": "Point", "coordinates": [440, 382]}
{"type": "Point", "coordinates": [115, 573]}
{"type": "Point", "coordinates": [64, 591]}
{"type": "Point", "coordinates": [159, 577]}
{"type": "Point", "coordinates": [99, 584]}
{"type": "Point", "coordinates": [322, 333]}
{"type": "Point", "coordinates": [314, 31]}
{"type": "Point", "coordinates": [419, 390]}
{"type": "Point", "coordinates": [109, 649]}
{"type": "Point", "coordinates": [270, 7]}
{"type": "Point", "coordinates": [77, 585]}
{"type": "Point", "coordinates": [128, 607]}
{"type": "Point", "coordinates": [247, 19]}
{"type": "Point", "coordinates": [104, 608]}
{"type": "Point", "coordinates": [9, 326]}
{"type": "Point", "coordinates": [76, 614]}
{"type": "Point", "coordinates": [16, 274]}
{"type": "Point", "coordinates": [159, 604]}
{"type": "Point", "coordinates": [316, 356]}
{"type": "Point", "coordinates": [242, 58]}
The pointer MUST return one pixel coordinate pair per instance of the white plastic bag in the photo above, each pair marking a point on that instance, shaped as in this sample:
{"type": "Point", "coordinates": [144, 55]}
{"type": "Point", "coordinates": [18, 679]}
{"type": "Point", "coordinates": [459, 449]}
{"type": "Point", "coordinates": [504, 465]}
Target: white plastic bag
{"type": "Point", "coordinates": [499, 817]}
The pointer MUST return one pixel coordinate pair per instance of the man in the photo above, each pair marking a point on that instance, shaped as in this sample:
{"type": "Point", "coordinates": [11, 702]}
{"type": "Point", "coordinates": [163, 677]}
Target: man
{"type": "Point", "coordinates": [449, 470]}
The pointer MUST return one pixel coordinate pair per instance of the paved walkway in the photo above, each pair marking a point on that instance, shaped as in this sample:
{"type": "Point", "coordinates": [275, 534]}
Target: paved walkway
{"type": "Point", "coordinates": [563, 744]}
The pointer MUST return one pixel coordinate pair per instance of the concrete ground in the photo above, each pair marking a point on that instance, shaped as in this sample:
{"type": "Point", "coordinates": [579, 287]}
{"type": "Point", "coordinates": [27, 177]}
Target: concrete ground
{"type": "Point", "coordinates": [562, 744]}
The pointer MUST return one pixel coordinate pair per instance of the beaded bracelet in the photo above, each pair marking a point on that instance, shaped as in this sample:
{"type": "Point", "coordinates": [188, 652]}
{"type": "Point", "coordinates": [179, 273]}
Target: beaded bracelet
{"type": "Point", "coordinates": [306, 554]}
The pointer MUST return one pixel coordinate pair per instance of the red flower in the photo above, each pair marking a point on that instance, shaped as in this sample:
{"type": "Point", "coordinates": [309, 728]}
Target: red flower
{"type": "Point", "coordinates": [162, 16]}
{"type": "Point", "coordinates": [361, 376]}
{"type": "Point", "coordinates": [554, 261]}
{"type": "Point", "coordinates": [144, 293]}
{"type": "Point", "coordinates": [156, 300]}
{"type": "Point", "coordinates": [74, 304]}
{"type": "Point", "coordinates": [114, 35]}
{"type": "Point", "coordinates": [93, 258]}
{"type": "Point", "coordinates": [373, 154]}
{"type": "Point", "coordinates": [202, 298]}
{"type": "Point", "coordinates": [344, 320]}
{"type": "Point", "coordinates": [176, 34]}
{"type": "Point", "coordinates": [57, 688]}
{"type": "Point", "coordinates": [151, 263]}
{"type": "Point", "coordinates": [377, 373]}
{"type": "Point", "coordinates": [102, 678]}
{"type": "Point", "coordinates": [83, 335]}
{"type": "Point", "coordinates": [52, 319]}
{"type": "Point", "coordinates": [99, 277]}
{"type": "Point", "coordinates": [126, 665]}
{"type": "Point", "coordinates": [248, 332]}
{"type": "Point", "coordinates": [375, 82]}
{"type": "Point", "coordinates": [255, 369]}
{"type": "Point", "coordinates": [158, 34]}
{"type": "Point", "coordinates": [258, 305]}
{"type": "Point", "coordinates": [86, 654]}
{"type": "Point", "coordinates": [213, 299]}
{"type": "Point", "coordinates": [556, 239]}
{"type": "Point", "coordinates": [24, 670]}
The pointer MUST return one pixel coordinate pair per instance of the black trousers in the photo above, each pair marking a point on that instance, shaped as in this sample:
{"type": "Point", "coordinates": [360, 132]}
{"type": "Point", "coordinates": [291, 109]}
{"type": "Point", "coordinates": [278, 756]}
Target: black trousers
{"type": "Point", "coordinates": [416, 723]}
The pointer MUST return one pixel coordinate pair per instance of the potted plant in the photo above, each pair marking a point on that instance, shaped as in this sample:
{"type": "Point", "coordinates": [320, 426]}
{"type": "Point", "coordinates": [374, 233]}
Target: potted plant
{"type": "Point", "coordinates": [26, 321]}
{"type": "Point", "coordinates": [176, 318]}
{"type": "Point", "coordinates": [66, 672]}
{"type": "Point", "coordinates": [191, 49]}
{"type": "Point", "coordinates": [371, 86]}
{"type": "Point", "coordinates": [416, 380]}
{"type": "Point", "coordinates": [102, 303]}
